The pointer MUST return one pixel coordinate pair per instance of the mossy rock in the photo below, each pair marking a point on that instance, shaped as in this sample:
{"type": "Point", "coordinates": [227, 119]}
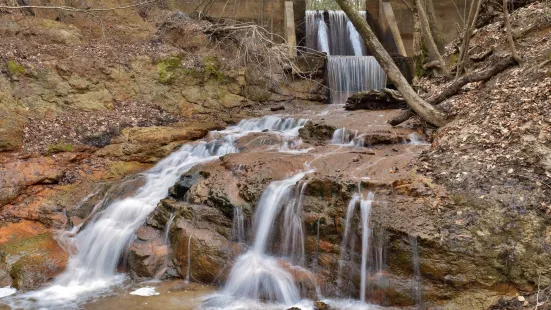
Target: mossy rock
{"type": "Point", "coordinates": [15, 69]}
{"type": "Point", "coordinates": [58, 148]}
{"type": "Point", "coordinates": [167, 68]}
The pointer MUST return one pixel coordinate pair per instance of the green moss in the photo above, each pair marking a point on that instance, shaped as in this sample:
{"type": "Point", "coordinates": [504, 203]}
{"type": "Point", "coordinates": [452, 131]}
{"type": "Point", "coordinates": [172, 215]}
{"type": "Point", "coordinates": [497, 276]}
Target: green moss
{"type": "Point", "coordinates": [15, 69]}
{"type": "Point", "coordinates": [58, 148]}
{"type": "Point", "coordinates": [27, 246]}
{"type": "Point", "coordinates": [453, 59]}
{"type": "Point", "coordinates": [211, 67]}
{"type": "Point", "coordinates": [167, 68]}
{"type": "Point", "coordinates": [419, 61]}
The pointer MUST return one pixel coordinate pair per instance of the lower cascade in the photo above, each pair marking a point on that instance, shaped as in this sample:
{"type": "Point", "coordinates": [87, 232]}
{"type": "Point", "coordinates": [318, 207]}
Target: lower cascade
{"type": "Point", "coordinates": [99, 246]}
{"type": "Point", "coordinates": [256, 275]}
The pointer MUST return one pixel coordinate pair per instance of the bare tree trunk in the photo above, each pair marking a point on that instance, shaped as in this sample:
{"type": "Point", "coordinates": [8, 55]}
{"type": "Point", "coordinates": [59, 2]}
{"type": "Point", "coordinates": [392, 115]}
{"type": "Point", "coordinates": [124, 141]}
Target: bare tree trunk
{"type": "Point", "coordinates": [426, 111]}
{"type": "Point", "coordinates": [510, 33]}
{"type": "Point", "coordinates": [467, 33]}
{"type": "Point", "coordinates": [435, 28]}
{"type": "Point", "coordinates": [429, 40]}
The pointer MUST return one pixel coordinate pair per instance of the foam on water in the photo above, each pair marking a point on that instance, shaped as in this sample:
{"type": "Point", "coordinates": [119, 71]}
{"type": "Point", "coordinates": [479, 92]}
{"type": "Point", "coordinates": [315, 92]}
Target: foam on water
{"type": "Point", "coordinates": [7, 291]}
{"type": "Point", "coordinates": [145, 292]}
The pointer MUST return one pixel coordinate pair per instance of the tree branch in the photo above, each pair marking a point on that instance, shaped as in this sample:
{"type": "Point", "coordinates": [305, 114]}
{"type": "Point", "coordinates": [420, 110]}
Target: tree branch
{"type": "Point", "coordinates": [73, 9]}
{"type": "Point", "coordinates": [516, 57]}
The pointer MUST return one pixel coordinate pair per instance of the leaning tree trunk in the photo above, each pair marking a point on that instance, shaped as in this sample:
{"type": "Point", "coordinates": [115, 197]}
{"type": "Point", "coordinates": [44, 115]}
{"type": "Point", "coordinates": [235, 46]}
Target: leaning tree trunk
{"type": "Point", "coordinates": [467, 33]}
{"type": "Point", "coordinates": [514, 52]}
{"type": "Point", "coordinates": [425, 111]}
{"type": "Point", "coordinates": [429, 39]}
{"type": "Point", "coordinates": [435, 28]}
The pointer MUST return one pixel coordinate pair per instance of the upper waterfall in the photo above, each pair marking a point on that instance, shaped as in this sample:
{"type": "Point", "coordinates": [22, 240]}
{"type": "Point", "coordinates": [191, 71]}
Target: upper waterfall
{"type": "Point", "coordinates": [349, 69]}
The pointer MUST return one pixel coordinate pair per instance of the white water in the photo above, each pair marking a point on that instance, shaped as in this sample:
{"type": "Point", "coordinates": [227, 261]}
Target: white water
{"type": "Point", "coordinates": [347, 75]}
{"type": "Point", "coordinates": [417, 286]}
{"type": "Point", "coordinates": [238, 227]}
{"type": "Point", "coordinates": [256, 275]}
{"type": "Point", "coordinates": [145, 291]}
{"type": "Point", "coordinates": [323, 38]}
{"type": "Point", "coordinates": [349, 69]}
{"type": "Point", "coordinates": [346, 237]}
{"type": "Point", "coordinates": [167, 228]}
{"type": "Point", "coordinates": [188, 271]}
{"type": "Point", "coordinates": [341, 36]}
{"type": "Point", "coordinates": [7, 291]}
{"type": "Point", "coordinates": [293, 233]}
{"type": "Point", "coordinates": [343, 136]}
{"type": "Point", "coordinates": [365, 206]}
{"type": "Point", "coordinates": [99, 246]}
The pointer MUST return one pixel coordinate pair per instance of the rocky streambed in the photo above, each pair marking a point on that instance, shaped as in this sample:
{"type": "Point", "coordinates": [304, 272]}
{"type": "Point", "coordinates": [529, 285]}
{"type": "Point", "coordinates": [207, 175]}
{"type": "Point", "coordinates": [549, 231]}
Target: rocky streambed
{"type": "Point", "coordinates": [424, 246]}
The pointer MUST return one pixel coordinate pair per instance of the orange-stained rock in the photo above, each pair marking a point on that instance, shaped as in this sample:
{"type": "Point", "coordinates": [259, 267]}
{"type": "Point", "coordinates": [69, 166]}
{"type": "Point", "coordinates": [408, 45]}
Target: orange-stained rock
{"type": "Point", "coordinates": [32, 260]}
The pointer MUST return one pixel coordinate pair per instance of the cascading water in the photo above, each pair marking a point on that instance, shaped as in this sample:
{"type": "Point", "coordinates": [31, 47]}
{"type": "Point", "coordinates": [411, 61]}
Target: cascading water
{"type": "Point", "coordinates": [238, 227]}
{"type": "Point", "coordinates": [417, 288]}
{"type": "Point", "coordinates": [323, 38]}
{"type": "Point", "coordinates": [341, 35]}
{"type": "Point", "coordinates": [256, 275]}
{"type": "Point", "coordinates": [101, 243]}
{"type": "Point", "coordinates": [188, 271]}
{"type": "Point", "coordinates": [293, 234]}
{"type": "Point", "coordinates": [349, 69]}
{"type": "Point", "coordinates": [343, 136]}
{"type": "Point", "coordinates": [167, 228]}
{"type": "Point", "coordinates": [347, 75]}
{"type": "Point", "coordinates": [365, 206]}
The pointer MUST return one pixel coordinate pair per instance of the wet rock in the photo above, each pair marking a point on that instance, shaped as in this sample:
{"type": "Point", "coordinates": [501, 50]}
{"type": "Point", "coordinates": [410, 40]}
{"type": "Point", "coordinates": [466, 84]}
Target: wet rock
{"type": "Point", "coordinates": [17, 175]}
{"type": "Point", "coordinates": [320, 305]}
{"type": "Point", "coordinates": [180, 189]}
{"type": "Point", "coordinates": [5, 278]}
{"type": "Point", "coordinates": [147, 255]}
{"type": "Point", "coordinates": [31, 261]}
{"type": "Point", "coordinates": [313, 131]}
{"type": "Point", "coordinates": [376, 100]}
{"type": "Point", "coordinates": [150, 144]}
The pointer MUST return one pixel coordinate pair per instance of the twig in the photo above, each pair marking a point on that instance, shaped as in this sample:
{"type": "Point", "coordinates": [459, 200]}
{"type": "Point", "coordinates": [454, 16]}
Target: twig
{"type": "Point", "coordinates": [73, 9]}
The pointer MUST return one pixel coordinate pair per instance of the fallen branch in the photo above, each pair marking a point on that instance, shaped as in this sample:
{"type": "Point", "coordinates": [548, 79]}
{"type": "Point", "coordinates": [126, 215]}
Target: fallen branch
{"type": "Point", "coordinates": [455, 86]}
{"type": "Point", "coordinates": [73, 9]}
{"type": "Point", "coordinates": [478, 76]}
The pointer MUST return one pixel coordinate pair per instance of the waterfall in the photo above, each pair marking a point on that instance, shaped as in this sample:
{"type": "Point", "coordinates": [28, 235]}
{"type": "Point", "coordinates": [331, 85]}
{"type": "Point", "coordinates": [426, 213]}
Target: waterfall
{"type": "Point", "coordinates": [349, 69]}
{"type": "Point", "coordinates": [339, 34]}
{"type": "Point", "coordinates": [238, 225]}
{"type": "Point", "coordinates": [355, 40]}
{"type": "Point", "coordinates": [343, 136]}
{"type": "Point", "coordinates": [346, 237]}
{"type": "Point", "coordinates": [293, 233]}
{"type": "Point", "coordinates": [365, 206]}
{"type": "Point", "coordinates": [167, 228]}
{"type": "Point", "coordinates": [188, 271]}
{"type": "Point", "coordinates": [101, 243]}
{"type": "Point", "coordinates": [256, 275]}
{"type": "Point", "coordinates": [323, 38]}
{"type": "Point", "coordinates": [347, 75]}
{"type": "Point", "coordinates": [417, 292]}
